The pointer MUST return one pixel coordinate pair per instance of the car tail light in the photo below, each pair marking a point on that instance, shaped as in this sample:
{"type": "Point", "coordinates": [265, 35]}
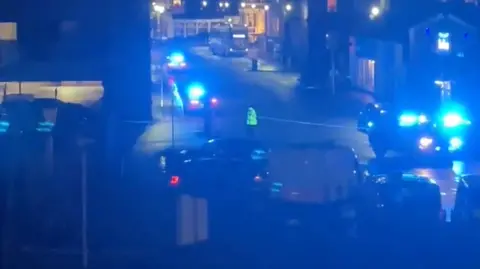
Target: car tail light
{"type": "Point", "coordinates": [214, 101]}
{"type": "Point", "coordinates": [174, 181]}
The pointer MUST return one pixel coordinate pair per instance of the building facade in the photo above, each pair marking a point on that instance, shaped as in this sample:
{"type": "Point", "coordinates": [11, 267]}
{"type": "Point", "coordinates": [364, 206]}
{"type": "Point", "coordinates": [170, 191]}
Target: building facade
{"type": "Point", "coordinates": [254, 13]}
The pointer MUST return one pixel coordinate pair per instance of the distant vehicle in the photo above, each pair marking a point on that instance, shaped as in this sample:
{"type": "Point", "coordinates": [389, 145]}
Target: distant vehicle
{"type": "Point", "coordinates": [229, 40]}
{"type": "Point", "coordinates": [195, 96]}
{"type": "Point", "coordinates": [228, 168]}
{"type": "Point", "coordinates": [174, 67]}
{"type": "Point", "coordinates": [442, 130]}
{"type": "Point", "coordinates": [176, 60]}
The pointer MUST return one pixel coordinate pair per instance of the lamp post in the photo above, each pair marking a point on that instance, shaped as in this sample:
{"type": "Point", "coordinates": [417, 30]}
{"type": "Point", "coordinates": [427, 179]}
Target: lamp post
{"type": "Point", "coordinates": [159, 10]}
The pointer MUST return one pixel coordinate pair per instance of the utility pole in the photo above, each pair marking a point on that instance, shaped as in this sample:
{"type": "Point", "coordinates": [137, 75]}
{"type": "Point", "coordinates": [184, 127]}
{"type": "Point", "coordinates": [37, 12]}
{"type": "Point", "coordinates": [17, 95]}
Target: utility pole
{"type": "Point", "coordinates": [332, 45]}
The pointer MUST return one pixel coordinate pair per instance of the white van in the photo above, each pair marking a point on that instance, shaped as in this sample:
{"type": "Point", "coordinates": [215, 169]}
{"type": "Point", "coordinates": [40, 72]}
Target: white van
{"type": "Point", "coordinates": [313, 174]}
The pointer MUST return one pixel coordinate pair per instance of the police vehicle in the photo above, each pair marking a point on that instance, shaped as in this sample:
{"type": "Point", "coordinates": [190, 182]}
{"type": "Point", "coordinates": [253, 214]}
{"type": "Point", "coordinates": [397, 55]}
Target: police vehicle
{"type": "Point", "coordinates": [443, 130]}
{"type": "Point", "coordinates": [195, 96]}
{"type": "Point", "coordinates": [174, 67]}
{"type": "Point", "coordinates": [176, 61]}
{"type": "Point", "coordinates": [227, 168]}
{"type": "Point", "coordinates": [228, 40]}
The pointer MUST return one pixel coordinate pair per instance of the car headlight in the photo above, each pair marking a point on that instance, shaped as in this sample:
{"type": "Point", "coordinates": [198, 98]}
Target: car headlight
{"type": "Point", "coordinates": [407, 120]}
{"type": "Point", "coordinates": [453, 120]}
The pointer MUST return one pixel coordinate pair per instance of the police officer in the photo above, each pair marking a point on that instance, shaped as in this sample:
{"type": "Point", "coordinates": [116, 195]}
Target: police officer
{"type": "Point", "coordinates": [252, 122]}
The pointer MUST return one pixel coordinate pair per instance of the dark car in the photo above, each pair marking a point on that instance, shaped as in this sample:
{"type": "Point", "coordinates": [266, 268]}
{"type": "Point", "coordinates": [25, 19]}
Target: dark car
{"type": "Point", "coordinates": [231, 169]}
{"type": "Point", "coordinates": [401, 200]}
{"type": "Point", "coordinates": [413, 131]}
{"type": "Point", "coordinates": [467, 202]}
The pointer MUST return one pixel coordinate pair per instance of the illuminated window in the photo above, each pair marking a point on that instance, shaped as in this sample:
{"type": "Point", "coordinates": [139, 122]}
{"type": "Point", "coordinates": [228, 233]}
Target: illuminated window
{"type": "Point", "coordinates": [445, 88]}
{"type": "Point", "coordinates": [332, 5]}
{"type": "Point", "coordinates": [177, 2]}
{"type": "Point", "coordinates": [443, 42]}
{"type": "Point", "coordinates": [366, 74]}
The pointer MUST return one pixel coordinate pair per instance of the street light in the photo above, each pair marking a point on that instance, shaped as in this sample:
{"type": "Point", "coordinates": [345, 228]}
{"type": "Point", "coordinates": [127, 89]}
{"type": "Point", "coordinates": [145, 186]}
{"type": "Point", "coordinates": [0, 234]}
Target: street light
{"type": "Point", "coordinates": [159, 9]}
{"type": "Point", "coordinates": [204, 3]}
{"type": "Point", "coordinates": [288, 7]}
{"type": "Point", "coordinates": [243, 5]}
{"type": "Point", "coordinates": [254, 6]}
{"type": "Point", "coordinates": [266, 7]}
{"type": "Point", "coordinates": [374, 12]}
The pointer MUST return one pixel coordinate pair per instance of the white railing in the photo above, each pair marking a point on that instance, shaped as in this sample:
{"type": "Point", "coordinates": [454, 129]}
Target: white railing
{"type": "Point", "coordinates": [81, 92]}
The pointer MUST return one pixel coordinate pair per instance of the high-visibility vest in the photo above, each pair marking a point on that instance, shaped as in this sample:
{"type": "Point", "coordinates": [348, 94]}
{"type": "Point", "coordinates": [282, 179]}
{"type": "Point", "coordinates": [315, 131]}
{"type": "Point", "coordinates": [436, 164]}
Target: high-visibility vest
{"type": "Point", "coordinates": [252, 117]}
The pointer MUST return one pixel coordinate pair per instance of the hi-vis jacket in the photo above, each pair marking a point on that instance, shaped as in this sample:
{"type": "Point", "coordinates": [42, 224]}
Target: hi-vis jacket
{"type": "Point", "coordinates": [252, 117]}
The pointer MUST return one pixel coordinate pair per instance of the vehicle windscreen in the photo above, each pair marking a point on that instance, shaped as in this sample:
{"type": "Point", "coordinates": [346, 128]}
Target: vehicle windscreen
{"type": "Point", "coordinates": [240, 40]}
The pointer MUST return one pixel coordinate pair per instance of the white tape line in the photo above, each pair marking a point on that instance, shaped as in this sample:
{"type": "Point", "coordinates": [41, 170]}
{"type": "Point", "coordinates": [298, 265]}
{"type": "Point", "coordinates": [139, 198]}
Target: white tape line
{"type": "Point", "coordinates": [307, 123]}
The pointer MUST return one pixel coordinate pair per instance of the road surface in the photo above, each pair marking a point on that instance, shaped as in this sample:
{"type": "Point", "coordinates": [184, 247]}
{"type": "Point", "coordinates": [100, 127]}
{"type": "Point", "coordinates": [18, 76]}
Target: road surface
{"type": "Point", "coordinates": [287, 118]}
{"type": "Point", "coordinates": [283, 118]}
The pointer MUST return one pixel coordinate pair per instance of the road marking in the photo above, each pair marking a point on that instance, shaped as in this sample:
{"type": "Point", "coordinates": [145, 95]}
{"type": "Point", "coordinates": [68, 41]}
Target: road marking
{"type": "Point", "coordinates": [307, 123]}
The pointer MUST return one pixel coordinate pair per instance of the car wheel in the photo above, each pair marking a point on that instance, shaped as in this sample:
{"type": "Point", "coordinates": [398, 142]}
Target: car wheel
{"type": "Point", "coordinates": [378, 146]}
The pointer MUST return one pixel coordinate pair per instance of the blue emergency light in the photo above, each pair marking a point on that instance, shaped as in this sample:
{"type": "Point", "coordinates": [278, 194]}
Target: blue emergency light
{"type": "Point", "coordinates": [411, 119]}
{"type": "Point", "coordinates": [177, 58]}
{"type": "Point", "coordinates": [454, 115]}
{"type": "Point", "coordinates": [453, 119]}
{"type": "Point", "coordinates": [195, 91]}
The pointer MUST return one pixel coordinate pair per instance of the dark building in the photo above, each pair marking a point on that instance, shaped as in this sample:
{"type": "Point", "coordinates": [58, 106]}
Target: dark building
{"type": "Point", "coordinates": [340, 19]}
{"type": "Point", "coordinates": [432, 53]}
{"type": "Point", "coordinates": [210, 8]}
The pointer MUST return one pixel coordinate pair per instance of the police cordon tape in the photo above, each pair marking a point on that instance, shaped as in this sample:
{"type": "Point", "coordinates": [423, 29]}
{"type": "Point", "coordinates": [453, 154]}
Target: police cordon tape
{"type": "Point", "coordinates": [319, 124]}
